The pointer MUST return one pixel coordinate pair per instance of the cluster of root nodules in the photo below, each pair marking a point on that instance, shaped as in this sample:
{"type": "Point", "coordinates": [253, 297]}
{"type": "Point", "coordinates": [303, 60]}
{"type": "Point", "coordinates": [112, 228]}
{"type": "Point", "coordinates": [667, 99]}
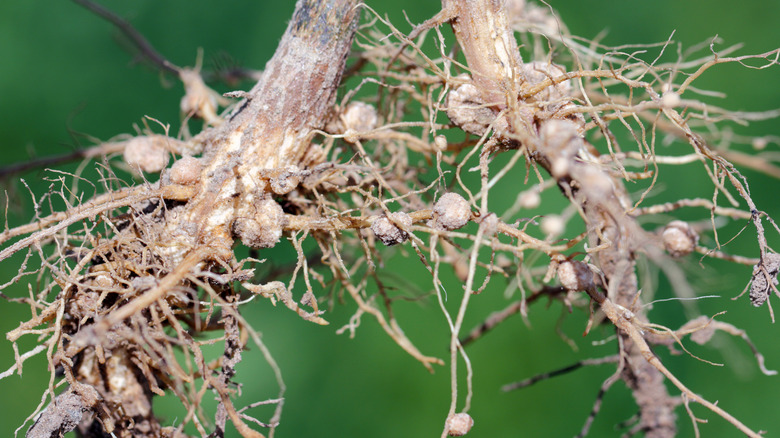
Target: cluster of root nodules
{"type": "Point", "coordinates": [414, 167]}
{"type": "Point", "coordinates": [114, 315]}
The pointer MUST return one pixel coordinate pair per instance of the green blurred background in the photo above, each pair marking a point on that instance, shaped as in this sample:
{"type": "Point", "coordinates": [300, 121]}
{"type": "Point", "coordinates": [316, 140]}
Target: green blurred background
{"type": "Point", "coordinates": [64, 74]}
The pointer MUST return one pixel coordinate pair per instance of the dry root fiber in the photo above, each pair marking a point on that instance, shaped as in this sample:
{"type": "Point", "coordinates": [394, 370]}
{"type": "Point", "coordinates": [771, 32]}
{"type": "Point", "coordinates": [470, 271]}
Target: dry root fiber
{"type": "Point", "coordinates": [135, 282]}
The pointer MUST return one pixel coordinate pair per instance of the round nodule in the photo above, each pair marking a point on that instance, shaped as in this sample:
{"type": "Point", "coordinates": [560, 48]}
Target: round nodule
{"type": "Point", "coordinates": [264, 228]}
{"type": "Point", "coordinates": [147, 153]}
{"type": "Point", "coordinates": [185, 171]}
{"type": "Point", "coordinates": [575, 276]}
{"type": "Point", "coordinates": [451, 212]}
{"type": "Point", "coordinates": [459, 424]}
{"type": "Point", "coordinates": [386, 230]}
{"type": "Point", "coordinates": [679, 238]}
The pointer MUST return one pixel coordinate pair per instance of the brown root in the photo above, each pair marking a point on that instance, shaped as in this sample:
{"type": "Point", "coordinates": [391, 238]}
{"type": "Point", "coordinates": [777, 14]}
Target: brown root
{"type": "Point", "coordinates": [134, 285]}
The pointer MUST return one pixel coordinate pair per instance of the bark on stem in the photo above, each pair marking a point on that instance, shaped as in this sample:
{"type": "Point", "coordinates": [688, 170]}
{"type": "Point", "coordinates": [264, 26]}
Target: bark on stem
{"type": "Point", "coordinates": [272, 128]}
{"type": "Point", "coordinates": [489, 45]}
{"type": "Point", "coordinates": [298, 86]}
